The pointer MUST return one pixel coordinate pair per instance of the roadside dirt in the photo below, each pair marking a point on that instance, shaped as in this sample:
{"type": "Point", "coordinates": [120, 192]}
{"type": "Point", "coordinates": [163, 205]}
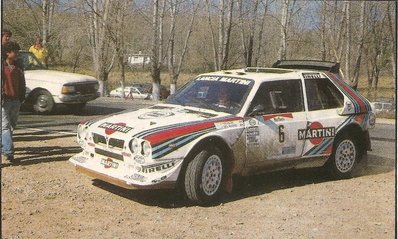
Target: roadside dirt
{"type": "Point", "coordinates": [45, 198]}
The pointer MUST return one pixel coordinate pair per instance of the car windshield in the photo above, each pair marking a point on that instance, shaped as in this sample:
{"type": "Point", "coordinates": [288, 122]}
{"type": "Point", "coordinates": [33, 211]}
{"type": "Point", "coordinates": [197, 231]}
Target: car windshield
{"type": "Point", "coordinates": [29, 61]}
{"type": "Point", "coordinates": [220, 93]}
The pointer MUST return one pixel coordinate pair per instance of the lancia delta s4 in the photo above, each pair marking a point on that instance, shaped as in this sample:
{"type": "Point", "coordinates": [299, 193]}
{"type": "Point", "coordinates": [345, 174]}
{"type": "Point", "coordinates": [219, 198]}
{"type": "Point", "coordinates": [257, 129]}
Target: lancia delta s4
{"type": "Point", "coordinates": [235, 122]}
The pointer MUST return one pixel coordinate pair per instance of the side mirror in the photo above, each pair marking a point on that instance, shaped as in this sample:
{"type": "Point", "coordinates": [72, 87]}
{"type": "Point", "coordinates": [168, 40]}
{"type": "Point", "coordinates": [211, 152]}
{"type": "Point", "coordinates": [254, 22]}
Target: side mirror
{"type": "Point", "coordinates": [257, 109]}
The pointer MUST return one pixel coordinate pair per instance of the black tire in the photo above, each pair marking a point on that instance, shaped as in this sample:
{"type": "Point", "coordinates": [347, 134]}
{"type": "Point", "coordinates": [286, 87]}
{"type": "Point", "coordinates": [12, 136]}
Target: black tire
{"type": "Point", "coordinates": [204, 176]}
{"type": "Point", "coordinates": [76, 108]}
{"type": "Point", "coordinates": [345, 157]}
{"type": "Point", "coordinates": [43, 102]}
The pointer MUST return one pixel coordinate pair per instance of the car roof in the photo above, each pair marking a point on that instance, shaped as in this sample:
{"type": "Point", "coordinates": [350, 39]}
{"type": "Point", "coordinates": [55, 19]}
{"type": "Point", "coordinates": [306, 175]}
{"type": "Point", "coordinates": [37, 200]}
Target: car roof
{"type": "Point", "coordinates": [259, 74]}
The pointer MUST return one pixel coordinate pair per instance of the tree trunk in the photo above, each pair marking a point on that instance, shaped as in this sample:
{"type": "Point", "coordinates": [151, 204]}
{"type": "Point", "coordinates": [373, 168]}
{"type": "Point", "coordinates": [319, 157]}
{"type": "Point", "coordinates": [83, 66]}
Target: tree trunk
{"type": "Point", "coordinates": [357, 67]}
{"type": "Point", "coordinates": [323, 31]}
{"type": "Point", "coordinates": [348, 43]}
{"type": "Point", "coordinates": [227, 37]}
{"type": "Point", "coordinates": [393, 34]}
{"type": "Point", "coordinates": [155, 67]}
{"type": "Point", "coordinates": [213, 38]}
{"type": "Point", "coordinates": [260, 35]}
{"type": "Point", "coordinates": [45, 11]}
{"type": "Point", "coordinates": [175, 70]}
{"type": "Point", "coordinates": [221, 35]}
{"type": "Point", "coordinates": [282, 47]}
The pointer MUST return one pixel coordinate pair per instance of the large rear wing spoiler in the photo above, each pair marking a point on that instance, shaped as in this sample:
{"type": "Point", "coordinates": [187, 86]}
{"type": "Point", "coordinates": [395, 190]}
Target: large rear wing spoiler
{"type": "Point", "coordinates": [333, 67]}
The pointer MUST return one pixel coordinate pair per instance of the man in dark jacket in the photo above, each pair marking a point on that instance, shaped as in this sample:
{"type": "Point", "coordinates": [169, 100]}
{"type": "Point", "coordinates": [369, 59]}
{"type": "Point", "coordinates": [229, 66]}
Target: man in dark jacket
{"type": "Point", "coordinates": [13, 89]}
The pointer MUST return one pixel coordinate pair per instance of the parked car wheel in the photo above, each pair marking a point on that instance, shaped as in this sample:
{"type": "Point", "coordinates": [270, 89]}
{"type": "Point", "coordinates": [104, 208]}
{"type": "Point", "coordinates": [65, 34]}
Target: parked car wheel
{"type": "Point", "coordinates": [43, 102]}
{"type": "Point", "coordinates": [345, 157]}
{"type": "Point", "coordinates": [204, 176]}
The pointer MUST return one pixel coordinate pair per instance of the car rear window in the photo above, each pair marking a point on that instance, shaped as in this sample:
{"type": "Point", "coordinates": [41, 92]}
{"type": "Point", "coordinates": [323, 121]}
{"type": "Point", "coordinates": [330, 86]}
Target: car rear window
{"type": "Point", "coordinates": [323, 94]}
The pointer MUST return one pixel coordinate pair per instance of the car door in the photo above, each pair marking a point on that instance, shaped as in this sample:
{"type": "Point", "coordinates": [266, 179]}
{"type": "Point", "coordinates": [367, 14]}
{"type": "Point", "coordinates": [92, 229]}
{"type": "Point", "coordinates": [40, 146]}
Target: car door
{"type": "Point", "coordinates": [323, 101]}
{"type": "Point", "coordinates": [274, 118]}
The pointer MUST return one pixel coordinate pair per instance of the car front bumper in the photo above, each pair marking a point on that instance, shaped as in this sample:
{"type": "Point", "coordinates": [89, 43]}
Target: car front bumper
{"type": "Point", "coordinates": [127, 176]}
{"type": "Point", "coordinates": [77, 98]}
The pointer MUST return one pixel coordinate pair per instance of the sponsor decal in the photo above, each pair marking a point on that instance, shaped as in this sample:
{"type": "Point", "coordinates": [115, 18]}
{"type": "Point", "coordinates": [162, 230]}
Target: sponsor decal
{"type": "Point", "coordinates": [108, 163]}
{"type": "Point", "coordinates": [253, 135]}
{"type": "Point", "coordinates": [136, 177]}
{"type": "Point", "coordinates": [156, 167]}
{"type": "Point", "coordinates": [161, 107]}
{"type": "Point", "coordinates": [80, 159]}
{"type": "Point", "coordinates": [156, 114]}
{"type": "Point", "coordinates": [229, 124]}
{"type": "Point", "coordinates": [200, 114]}
{"type": "Point", "coordinates": [289, 149]}
{"type": "Point", "coordinates": [235, 81]}
{"type": "Point", "coordinates": [111, 128]}
{"type": "Point", "coordinates": [139, 159]}
{"type": "Point", "coordinates": [225, 79]}
{"type": "Point", "coordinates": [159, 180]}
{"type": "Point", "coordinates": [315, 133]}
{"type": "Point", "coordinates": [311, 75]}
{"type": "Point", "coordinates": [278, 117]}
{"type": "Point", "coordinates": [252, 122]}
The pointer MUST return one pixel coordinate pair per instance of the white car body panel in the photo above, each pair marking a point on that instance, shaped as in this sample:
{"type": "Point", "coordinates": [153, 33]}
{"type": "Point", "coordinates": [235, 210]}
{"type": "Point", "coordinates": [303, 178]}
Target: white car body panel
{"type": "Point", "coordinates": [173, 131]}
{"type": "Point", "coordinates": [53, 81]}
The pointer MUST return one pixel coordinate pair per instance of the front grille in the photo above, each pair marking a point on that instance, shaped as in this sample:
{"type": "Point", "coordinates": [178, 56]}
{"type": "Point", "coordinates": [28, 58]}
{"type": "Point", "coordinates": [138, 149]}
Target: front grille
{"type": "Point", "coordinates": [99, 139]}
{"type": "Point", "coordinates": [118, 143]}
{"type": "Point", "coordinates": [109, 154]}
{"type": "Point", "coordinates": [87, 88]}
{"type": "Point", "coordinates": [113, 143]}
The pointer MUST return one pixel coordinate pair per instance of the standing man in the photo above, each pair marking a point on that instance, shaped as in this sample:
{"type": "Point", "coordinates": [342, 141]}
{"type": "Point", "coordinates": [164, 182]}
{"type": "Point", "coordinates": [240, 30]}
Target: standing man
{"type": "Point", "coordinates": [13, 88]}
{"type": "Point", "coordinates": [39, 51]}
{"type": "Point", "coordinates": [5, 36]}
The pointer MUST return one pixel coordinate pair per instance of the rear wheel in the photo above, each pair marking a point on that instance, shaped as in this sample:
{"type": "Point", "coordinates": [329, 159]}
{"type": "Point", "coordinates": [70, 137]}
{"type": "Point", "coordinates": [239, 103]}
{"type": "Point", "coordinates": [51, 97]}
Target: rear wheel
{"type": "Point", "coordinates": [43, 102]}
{"type": "Point", "coordinates": [204, 176]}
{"type": "Point", "coordinates": [345, 157]}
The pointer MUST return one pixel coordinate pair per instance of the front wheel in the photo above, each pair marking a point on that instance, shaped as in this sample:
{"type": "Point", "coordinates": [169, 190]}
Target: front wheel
{"type": "Point", "coordinates": [43, 102]}
{"type": "Point", "coordinates": [344, 158]}
{"type": "Point", "coordinates": [204, 176]}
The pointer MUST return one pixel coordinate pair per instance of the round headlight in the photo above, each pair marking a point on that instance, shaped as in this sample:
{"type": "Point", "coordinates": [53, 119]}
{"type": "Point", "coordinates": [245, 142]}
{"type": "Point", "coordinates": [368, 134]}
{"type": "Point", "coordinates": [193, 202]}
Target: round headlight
{"type": "Point", "coordinates": [135, 146]}
{"type": "Point", "coordinates": [82, 132]}
{"type": "Point", "coordinates": [146, 149]}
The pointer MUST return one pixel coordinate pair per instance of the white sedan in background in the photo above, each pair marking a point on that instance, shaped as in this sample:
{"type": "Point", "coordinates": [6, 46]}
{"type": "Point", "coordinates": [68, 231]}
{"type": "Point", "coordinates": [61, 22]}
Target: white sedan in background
{"type": "Point", "coordinates": [130, 92]}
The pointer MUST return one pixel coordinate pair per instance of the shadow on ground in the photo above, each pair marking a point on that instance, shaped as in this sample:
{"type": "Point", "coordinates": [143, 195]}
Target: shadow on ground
{"type": "Point", "coordinates": [244, 187]}
{"type": "Point", "coordinates": [42, 154]}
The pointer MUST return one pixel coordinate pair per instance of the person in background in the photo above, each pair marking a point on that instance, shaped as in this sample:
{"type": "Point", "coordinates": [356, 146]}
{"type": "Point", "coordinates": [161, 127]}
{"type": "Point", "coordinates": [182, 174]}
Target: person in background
{"type": "Point", "coordinates": [13, 87]}
{"type": "Point", "coordinates": [5, 36]}
{"type": "Point", "coordinates": [39, 51]}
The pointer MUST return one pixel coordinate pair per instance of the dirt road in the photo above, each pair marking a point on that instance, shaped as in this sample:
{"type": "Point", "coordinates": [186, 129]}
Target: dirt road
{"type": "Point", "coordinates": [45, 198]}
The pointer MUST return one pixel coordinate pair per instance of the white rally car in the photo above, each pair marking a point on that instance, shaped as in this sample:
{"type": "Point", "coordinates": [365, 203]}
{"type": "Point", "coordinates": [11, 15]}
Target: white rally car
{"type": "Point", "coordinates": [234, 122]}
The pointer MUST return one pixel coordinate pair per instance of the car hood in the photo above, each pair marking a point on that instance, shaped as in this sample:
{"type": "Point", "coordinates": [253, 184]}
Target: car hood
{"type": "Point", "coordinates": [159, 118]}
{"type": "Point", "coordinates": [57, 76]}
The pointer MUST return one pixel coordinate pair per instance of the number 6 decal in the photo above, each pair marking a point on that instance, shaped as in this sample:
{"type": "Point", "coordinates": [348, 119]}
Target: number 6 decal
{"type": "Point", "coordinates": [281, 134]}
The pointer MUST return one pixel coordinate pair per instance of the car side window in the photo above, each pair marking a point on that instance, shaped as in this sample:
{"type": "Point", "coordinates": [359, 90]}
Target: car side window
{"type": "Point", "coordinates": [279, 97]}
{"type": "Point", "coordinates": [323, 94]}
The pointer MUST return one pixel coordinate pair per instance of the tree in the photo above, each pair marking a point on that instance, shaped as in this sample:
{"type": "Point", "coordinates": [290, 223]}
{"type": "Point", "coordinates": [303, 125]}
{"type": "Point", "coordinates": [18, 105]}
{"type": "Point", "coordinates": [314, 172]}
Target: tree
{"type": "Point", "coordinates": [221, 49]}
{"type": "Point", "coordinates": [284, 29]}
{"type": "Point", "coordinates": [377, 49]}
{"type": "Point", "coordinates": [173, 56]}
{"type": "Point", "coordinates": [248, 39]}
{"type": "Point", "coordinates": [98, 17]}
{"type": "Point", "coordinates": [47, 18]}
{"type": "Point", "coordinates": [357, 66]}
{"type": "Point", "coordinates": [156, 58]}
{"type": "Point", "coordinates": [117, 35]}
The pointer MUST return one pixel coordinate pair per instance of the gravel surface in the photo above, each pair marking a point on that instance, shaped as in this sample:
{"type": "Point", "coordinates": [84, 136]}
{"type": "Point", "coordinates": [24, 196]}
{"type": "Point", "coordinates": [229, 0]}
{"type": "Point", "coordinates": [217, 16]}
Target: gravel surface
{"type": "Point", "coordinates": [45, 198]}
